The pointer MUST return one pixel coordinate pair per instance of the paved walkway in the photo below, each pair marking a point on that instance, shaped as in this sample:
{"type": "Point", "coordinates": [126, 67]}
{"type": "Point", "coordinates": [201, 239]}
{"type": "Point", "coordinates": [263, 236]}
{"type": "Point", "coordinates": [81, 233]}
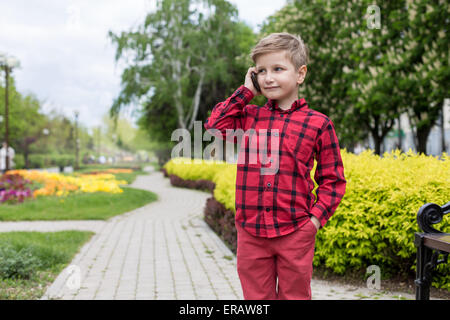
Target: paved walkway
{"type": "Point", "coordinates": [163, 250]}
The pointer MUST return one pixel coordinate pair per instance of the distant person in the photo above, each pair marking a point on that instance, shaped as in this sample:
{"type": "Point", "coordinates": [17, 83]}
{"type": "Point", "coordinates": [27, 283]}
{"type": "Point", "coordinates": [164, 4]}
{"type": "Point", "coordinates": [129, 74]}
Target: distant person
{"type": "Point", "coordinates": [11, 154]}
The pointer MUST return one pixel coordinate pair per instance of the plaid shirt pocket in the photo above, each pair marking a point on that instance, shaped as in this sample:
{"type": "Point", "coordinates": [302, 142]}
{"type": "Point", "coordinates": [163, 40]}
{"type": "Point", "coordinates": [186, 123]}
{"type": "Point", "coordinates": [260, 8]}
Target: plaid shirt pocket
{"type": "Point", "coordinates": [300, 144]}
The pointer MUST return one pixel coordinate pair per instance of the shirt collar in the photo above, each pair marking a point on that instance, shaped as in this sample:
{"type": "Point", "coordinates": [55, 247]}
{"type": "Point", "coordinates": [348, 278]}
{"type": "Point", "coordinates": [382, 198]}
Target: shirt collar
{"type": "Point", "coordinates": [297, 104]}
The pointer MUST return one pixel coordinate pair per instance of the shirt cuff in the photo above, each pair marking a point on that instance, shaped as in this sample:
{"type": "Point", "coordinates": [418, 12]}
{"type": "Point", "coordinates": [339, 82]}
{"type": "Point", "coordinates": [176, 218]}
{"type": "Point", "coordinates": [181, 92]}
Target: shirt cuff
{"type": "Point", "coordinates": [248, 94]}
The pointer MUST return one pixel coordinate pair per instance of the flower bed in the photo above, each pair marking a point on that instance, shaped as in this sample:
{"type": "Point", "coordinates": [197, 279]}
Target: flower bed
{"type": "Point", "coordinates": [14, 189]}
{"type": "Point", "coordinates": [61, 185]}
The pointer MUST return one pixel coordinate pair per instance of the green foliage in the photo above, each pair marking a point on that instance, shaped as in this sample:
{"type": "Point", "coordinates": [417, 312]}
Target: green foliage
{"type": "Point", "coordinates": [331, 48]}
{"type": "Point", "coordinates": [17, 263]}
{"type": "Point", "coordinates": [19, 161]}
{"type": "Point", "coordinates": [363, 77]}
{"type": "Point", "coordinates": [37, 160]}
{"type": "Point", "coordinates": [50, 160]}
{"type": "Point", "coordinates": [25, 118]}
{"type": "Point", "coordinates": [186, 57]}
{"type": "Point", "coordinates": [33, 260]}
{"type": "Point", "coordinates": [33, 133]}
{"type": "Point", "coordinates": [62, 160]}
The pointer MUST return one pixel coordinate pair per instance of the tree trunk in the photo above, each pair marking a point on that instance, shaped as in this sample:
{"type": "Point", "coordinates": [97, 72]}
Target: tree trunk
{"type": "Point", "coordinates": [196, 100]}
{"type": "Point", "coordinates": [422, 137]}
{"type": "Point", "coordinates": [442, 129]}
{"type": "Point", "coordinates": [377, 140]}
{"type": "Point", "coordinates": [413, 131]}
{"type": "Point", "coordinates": [176, 76]}
{"type": "Point", "coordinates": [378, 137]}
{"type": "Point", "coordinates": [400, 140]}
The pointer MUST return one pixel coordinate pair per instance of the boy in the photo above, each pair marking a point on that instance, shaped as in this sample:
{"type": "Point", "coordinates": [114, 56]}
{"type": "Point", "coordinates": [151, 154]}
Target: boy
{"type": "Point", "coordinates": [276, 215]}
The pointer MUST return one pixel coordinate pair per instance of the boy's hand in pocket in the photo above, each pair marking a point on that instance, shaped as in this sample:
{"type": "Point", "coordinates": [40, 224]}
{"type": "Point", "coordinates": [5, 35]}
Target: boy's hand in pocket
{"type": "Point", "coordinates": [316, 222]}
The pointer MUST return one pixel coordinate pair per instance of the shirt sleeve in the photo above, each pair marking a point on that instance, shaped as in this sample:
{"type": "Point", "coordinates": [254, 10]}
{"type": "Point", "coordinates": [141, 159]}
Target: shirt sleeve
{"type": "Point", "coordinates": [329, 174]}
{"type": "Point", "coordinates": [229, 113]}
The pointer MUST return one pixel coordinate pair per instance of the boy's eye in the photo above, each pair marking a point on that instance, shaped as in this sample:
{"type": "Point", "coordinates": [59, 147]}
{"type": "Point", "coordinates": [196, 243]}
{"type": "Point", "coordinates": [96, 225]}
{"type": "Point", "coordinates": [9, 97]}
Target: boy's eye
{"type": "Point", "coordinates": [278, 69]}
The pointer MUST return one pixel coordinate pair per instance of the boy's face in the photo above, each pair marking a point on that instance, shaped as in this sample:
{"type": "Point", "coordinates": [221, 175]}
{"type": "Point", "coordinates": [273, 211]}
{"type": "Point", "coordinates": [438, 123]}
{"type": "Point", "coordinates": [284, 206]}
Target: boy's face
{"type": "Point", "coordinates": [278, 77]}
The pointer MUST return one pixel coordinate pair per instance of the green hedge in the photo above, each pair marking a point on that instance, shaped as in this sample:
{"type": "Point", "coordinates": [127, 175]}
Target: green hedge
{"type": "Point", "coordinates": [50, 160]}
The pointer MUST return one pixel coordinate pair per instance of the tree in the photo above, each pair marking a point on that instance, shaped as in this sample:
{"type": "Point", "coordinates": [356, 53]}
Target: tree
{"type": "Point", "coordinates": [374, 77]}
{"type": "Point", "coordinates": [425, 78]}
{"type": "Point", "coordinates": [368, 74]}
{"type": "Point", "coordinates": [26, 121]}
{"type": "Point", "coordinates": [322, 25]}
{"type": "Point", "coordinates": [118, 134]}
{"type": "Point", "coordinates": [59, 135]}
{"type": "Point", "coordinates": [181, 49]}
{"type": "Point", "coordinates": [32, 124]}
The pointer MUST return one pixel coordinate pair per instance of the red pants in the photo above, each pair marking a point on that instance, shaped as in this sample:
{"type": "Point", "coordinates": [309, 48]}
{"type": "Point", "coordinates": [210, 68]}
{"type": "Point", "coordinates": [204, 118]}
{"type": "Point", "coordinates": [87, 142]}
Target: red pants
{"type": "Point", "coordinates": [260, 261]}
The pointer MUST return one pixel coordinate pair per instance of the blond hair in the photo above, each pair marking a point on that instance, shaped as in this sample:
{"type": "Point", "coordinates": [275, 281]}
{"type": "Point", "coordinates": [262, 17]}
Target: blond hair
{"type": "Point", "coordinates": [296, 49]}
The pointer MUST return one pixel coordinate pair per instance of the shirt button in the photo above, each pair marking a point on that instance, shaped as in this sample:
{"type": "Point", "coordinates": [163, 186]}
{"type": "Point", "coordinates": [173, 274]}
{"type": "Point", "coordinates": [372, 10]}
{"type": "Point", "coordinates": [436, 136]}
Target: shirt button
{"type": "Point", "coordinates": [275, 134]}
{"type": "Point", "coordinates": [267, 209]}
{"type": "Point", "coordinates": [282, 115]}
{"type": "Point", "coordinates": [269, 184]}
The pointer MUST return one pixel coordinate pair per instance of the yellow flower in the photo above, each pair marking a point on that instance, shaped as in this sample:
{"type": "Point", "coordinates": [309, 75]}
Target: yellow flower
{"type": "Point", "coordinates": [61, 185]}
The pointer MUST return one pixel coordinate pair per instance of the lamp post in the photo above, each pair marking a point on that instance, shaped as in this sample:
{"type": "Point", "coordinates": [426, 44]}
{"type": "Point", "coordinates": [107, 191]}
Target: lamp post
{"type": "Point", "coordinates": [77, 141]}
{"type": "Point", "coordinates": [98, 145]}
{"type": "Point", "coordinates": [7, 63]}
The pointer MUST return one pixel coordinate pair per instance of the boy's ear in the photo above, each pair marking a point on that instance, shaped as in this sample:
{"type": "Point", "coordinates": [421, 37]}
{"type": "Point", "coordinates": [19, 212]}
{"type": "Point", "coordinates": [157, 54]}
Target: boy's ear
{"type": "Point", "coordinates": [302, 74]}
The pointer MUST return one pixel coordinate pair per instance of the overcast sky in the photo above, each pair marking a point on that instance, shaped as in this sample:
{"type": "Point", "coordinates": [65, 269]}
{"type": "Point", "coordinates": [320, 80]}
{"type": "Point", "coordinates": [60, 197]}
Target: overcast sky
{"type": "Point", "coordinates": [66, 58]}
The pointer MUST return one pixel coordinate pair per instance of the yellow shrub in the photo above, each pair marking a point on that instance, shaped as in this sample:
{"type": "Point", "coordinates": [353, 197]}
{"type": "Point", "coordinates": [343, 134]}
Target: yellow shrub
{"type": "Point", "coordinates": [190, 169]}
{"type": "Point", "coordinates": [225, 191]}
{"type": "Point", "coordinates": [376, 220]}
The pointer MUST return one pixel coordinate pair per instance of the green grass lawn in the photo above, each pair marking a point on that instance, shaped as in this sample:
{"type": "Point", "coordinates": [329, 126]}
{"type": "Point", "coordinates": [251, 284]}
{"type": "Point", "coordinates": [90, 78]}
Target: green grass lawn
{"type": "Point", "coordinates": [83, 206]}
{"type": "Point", "coordinates": [43, 255]}
{"type": "Point", "coordinates": [129, 177]}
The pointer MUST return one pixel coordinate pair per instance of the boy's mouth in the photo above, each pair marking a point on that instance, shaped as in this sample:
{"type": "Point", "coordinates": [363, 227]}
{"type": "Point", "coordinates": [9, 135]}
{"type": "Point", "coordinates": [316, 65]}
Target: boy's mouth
{"type": "Point", "coordinates": [268, 88]}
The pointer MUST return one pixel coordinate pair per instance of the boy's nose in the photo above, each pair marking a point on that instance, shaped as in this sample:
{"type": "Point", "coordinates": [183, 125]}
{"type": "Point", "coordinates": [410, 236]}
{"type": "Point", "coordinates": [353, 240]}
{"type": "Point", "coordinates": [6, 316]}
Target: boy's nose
{"type": "Point", "coordinates": [268, 79]}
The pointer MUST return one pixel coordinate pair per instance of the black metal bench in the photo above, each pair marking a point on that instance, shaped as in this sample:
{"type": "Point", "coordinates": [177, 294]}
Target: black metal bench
{"type": "Point", "coordinates": [430, 245]}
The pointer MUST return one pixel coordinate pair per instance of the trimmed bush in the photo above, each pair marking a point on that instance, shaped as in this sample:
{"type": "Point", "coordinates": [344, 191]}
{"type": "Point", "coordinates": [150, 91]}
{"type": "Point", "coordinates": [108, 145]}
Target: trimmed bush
{"type": "Point", "coordinates": [201, 184]}
{"type": "Point", "coordinates": [17, 264]}
{"type": "Point", "coordinates": [50, 160]}
{"type": "Point", "coordinates": [190, 169]}
{"type": "Point", "coordinates": [37, 161]}
{"type": "Point", "coordinates": [221, 220]}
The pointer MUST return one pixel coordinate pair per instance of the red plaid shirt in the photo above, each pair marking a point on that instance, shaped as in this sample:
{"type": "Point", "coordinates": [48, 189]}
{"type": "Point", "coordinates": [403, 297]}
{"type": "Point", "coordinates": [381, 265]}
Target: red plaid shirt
{"type": "Point", "coordinates": [280, 200]}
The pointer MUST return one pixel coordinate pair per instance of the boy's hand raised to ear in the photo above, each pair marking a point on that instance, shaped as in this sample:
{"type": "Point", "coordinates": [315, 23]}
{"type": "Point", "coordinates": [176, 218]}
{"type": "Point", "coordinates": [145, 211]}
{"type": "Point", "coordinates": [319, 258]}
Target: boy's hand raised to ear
{"type": "Point", "coordinates": [248, 81]}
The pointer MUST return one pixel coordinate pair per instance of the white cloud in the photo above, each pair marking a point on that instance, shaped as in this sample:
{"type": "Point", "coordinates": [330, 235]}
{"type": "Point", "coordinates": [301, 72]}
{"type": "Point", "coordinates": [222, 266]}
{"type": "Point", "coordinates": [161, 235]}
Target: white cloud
{"type": "Point", "coordinates": [67, 59]}
{"type": "Point", "coordinates": [254, 12]}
